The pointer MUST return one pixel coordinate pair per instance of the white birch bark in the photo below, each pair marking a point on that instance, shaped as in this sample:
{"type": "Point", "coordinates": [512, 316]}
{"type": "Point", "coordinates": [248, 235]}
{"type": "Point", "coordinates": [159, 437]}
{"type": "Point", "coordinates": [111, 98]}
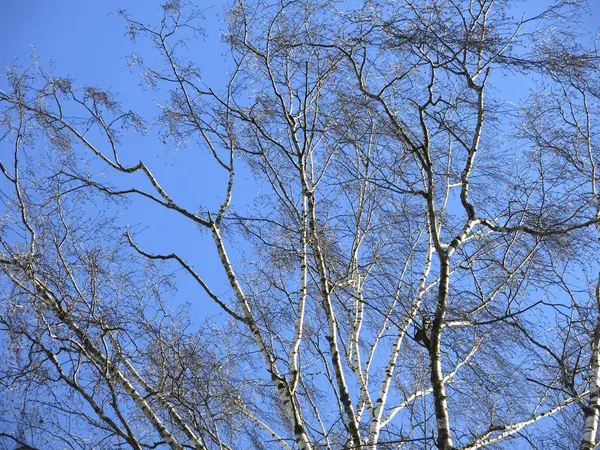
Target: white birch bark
{"type": "Point", "coordinates": [591, 412]}
{"type": "Point", "coordinates": [281, 384]}
{"type": "Point", "coordinates": [295, 348]}
{"type": "Point", "coordinates": [332, 337]}
{"type": "Point", "coordinates": [437, 375]}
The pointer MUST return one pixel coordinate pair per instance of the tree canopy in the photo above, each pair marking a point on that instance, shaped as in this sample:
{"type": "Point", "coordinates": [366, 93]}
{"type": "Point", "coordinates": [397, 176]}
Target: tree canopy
{"type": "Point", "coordinates": [397, 247]}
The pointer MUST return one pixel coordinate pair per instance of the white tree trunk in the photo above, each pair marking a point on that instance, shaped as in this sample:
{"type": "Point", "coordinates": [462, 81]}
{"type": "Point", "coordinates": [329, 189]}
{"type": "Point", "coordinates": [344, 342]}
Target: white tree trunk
{"type": "Point", "coordinates": [591, 413]}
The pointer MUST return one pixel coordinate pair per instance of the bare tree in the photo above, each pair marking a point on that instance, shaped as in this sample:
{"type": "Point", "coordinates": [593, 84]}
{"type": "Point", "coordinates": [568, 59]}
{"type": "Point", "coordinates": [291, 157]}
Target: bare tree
{"type": "Point", "coordinates": [414, 256]}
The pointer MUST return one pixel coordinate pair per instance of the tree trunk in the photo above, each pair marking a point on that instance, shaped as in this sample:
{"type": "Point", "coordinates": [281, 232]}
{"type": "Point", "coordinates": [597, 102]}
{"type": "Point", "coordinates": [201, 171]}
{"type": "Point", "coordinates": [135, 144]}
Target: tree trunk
{"type": "Point", "coordinates": [591, 413]}
{"type": "Point", "coordinates": [437, 376]}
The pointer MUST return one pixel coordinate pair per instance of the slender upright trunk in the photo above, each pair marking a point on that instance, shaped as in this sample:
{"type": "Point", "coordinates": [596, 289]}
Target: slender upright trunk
{"type": "Point", "coordinates": [298, 329]}
{"type": "Point", "coordinates": [437, 376]}
{"type": "Point", "coordinates": [332, 338]}
{"type": "Point", "coordinates": [592, 411]}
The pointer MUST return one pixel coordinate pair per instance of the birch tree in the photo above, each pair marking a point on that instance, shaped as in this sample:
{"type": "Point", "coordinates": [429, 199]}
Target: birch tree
{"type": "Point", "coordinates": [412, 262]}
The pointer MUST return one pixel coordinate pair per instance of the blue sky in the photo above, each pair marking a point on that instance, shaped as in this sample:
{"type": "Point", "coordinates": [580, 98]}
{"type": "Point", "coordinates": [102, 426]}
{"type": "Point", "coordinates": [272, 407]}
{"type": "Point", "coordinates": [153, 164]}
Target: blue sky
{"type": "Point", "coordinates": [86, 41]}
